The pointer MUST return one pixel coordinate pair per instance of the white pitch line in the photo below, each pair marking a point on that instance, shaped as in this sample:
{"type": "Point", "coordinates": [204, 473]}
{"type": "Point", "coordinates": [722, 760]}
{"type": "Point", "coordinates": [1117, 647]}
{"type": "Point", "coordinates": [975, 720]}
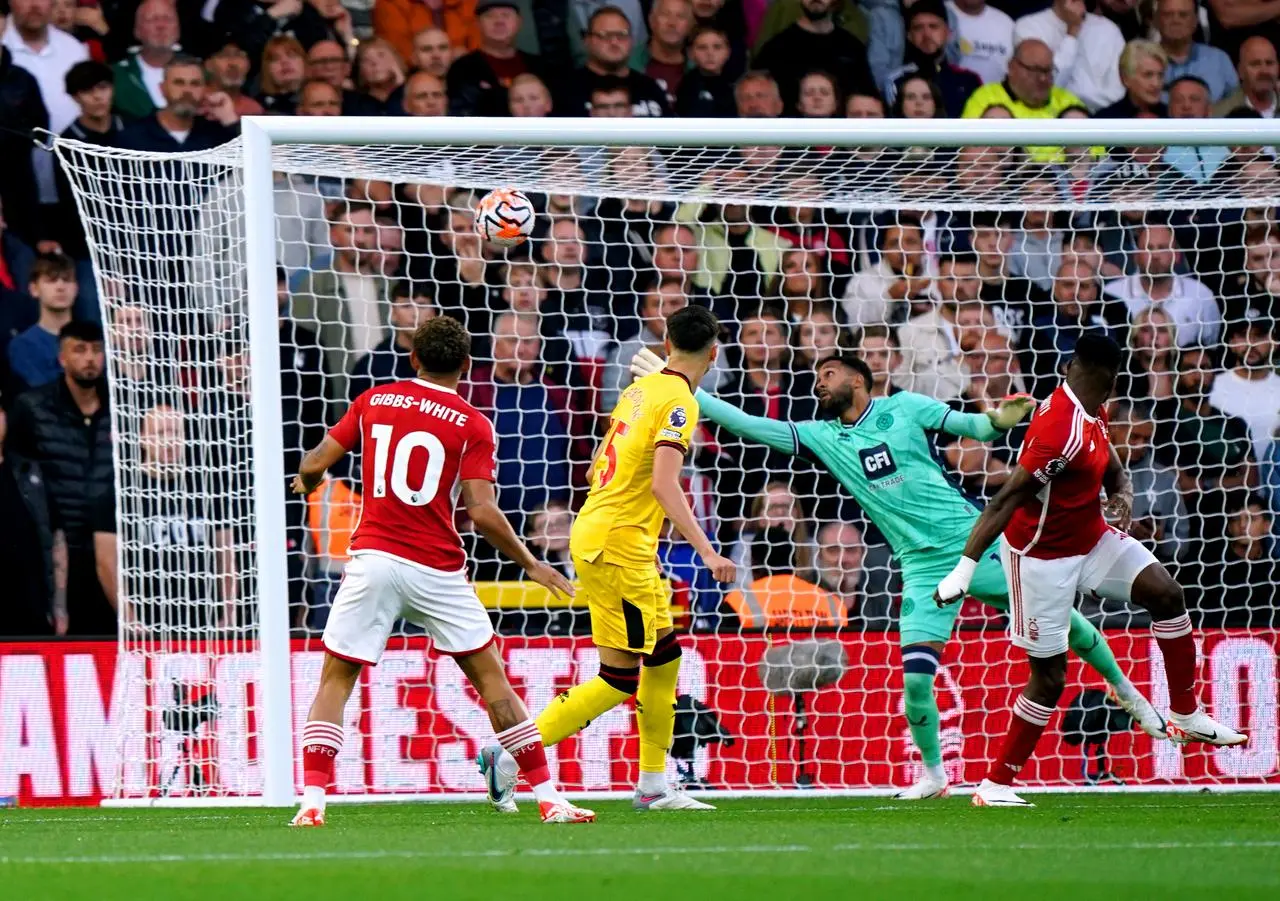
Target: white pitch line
{"type": "Point", "coordinates": [412, 854]}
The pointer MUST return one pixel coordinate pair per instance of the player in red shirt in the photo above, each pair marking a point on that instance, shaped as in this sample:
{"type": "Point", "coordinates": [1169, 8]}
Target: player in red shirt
{"type": "Point", "coordinates": [422, 446]}
{"type": "Point", "coordinates": [1055, 544]}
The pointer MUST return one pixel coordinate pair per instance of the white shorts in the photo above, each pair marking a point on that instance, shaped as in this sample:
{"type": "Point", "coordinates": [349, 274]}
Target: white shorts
{"type": "Point", "coordinates": [377, 590]}
{"type": "Point", "coordinates": [1042, 592]}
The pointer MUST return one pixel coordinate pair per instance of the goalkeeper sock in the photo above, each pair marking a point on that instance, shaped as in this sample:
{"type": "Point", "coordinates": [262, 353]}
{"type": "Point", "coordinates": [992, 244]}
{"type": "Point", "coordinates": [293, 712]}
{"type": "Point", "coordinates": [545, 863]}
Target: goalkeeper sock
{"type": "Point", "coordinates": [1179, 651]}
{"type": "Point", "coordinates": [573, 710]}
{"type": "Point", "coordinates": [1025, 729]}
{"type": "Point", "coordinates": [1089, 645]}
{"type": "Point", "coordinates": [321, 743]}
{"type": "Point", "coordinates": [919, 665]}
{"type": "Point", "coordinates": [524, 744]}
{"type": "Point", "coordinates": [656, 711]}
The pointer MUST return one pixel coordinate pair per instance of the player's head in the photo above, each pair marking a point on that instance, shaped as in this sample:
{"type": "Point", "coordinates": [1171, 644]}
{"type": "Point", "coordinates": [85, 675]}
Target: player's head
{"type": "Point", "coordinates": [1096, 362]}
{"type": "Point", "coordinates": [441, 348]}
{"type": "Point", "coordinates": [840, 377]}
{"type": "Point", "coordinates": [693, 335]}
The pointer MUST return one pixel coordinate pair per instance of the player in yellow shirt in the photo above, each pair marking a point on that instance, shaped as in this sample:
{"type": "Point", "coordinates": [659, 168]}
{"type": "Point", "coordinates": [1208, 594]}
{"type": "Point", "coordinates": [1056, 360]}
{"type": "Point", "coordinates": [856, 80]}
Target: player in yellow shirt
{"type": "Point", "coordinates": [635, 483]}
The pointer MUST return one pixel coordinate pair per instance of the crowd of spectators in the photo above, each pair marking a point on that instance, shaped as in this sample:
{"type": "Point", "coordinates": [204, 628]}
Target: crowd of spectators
{"type": "Point", "coordinates": [967, 307]}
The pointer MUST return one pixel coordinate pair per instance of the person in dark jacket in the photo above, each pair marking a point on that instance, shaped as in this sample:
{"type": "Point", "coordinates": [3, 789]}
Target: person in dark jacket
{"type": "Point", "coordinates": [25, 536]}
{"type": "Point", "coordinates": [21, 109]}
{"type": "Point", "coordinates": [608, 41]}
{"type": "Point", "coordinates": [478, 81]}
{"type": "Point", "coordinates": [707, 89]}
{"type": "Point", "coordinates": [411, 305]}
{"type": "Point", "coordinates": [180, 125]}
{"type": "Point", "coordinates": [928, 36]}
{"type": "Point", "coordinates": [65, 428]}
{"type": "Point", "coordinates": [257, 21]}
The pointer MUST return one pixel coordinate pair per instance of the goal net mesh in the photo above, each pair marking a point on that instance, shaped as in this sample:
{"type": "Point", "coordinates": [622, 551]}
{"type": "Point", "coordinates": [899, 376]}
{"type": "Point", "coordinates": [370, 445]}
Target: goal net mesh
{"type": "Point", "coordinates": [966, 275]}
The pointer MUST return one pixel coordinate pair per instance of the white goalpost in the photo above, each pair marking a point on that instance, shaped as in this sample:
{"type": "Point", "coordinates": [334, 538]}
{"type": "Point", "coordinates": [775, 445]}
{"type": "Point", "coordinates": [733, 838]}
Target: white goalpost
{"type": "Point", "coordinates": [249, 292]}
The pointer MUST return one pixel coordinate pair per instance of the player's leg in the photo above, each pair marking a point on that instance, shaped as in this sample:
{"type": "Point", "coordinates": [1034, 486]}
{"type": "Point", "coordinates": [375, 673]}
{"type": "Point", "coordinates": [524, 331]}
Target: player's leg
{"type": "Point", "coordinates": [1084, 640]}
{"type": "Point", "coordinates": [518, 736]}
{"type": "Point", "coordinates": [656, 708]}
{"type": "Point", "coordinates": [364, 610]}
{"type": "Point", "coordinates": [623, 629]}
{"type": "Point", "coordinates": [1122, 568]}
{"type": "Point", "coordinates": [1041, 597]}
{"type": "Point", "coordinates": [924, 629]}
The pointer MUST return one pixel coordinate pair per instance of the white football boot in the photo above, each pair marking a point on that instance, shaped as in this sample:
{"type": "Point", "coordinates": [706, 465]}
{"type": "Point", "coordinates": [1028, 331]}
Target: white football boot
{"type": "Point", "coordinates": [308, 816]}
{"type": "Point", "coordinates": [993, 794]}
{"type": "Point", "coordinates": [1199, 726]}
{"type": "Point", "coordinates": [925, 789]}
{"type": "Point", "coordinates": [500, 788]}
{"type": "Point", "coordinates": [671, 799]}
{"type": "Point", "coordinates": [1134, 703]}
{"type": "Point", "coordinates": [563, 812]}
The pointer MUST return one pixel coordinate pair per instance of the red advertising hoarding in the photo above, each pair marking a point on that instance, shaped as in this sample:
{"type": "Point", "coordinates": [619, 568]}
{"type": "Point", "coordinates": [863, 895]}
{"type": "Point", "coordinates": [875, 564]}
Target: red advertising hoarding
{"type": "Point", "coordinates": [75, 724]}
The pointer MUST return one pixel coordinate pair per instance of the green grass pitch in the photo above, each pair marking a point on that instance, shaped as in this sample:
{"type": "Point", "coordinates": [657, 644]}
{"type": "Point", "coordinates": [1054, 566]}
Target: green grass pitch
{"type": "Point", "coordinates": [1079, 847]}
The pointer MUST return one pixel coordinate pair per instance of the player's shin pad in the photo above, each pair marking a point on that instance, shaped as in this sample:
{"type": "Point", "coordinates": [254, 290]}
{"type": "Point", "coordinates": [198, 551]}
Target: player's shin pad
{"type": "Point", "coordinates": [656, 703]}
{"type": "Point", "coordinates": [573, 710]}
{"type": "Point", "coordinates": [1090, 646]}
{"type": "Point", "coordinates": [919, 664]}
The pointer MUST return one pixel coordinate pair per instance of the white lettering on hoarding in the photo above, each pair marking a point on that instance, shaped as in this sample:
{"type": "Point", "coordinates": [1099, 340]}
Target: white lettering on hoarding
{"type": "Point", "coordinates": [28, 746]}
{"type": "Point", "coordinates": [1251, 663]}
{"type": "Point", "coordinates": [391, 722]}
{"type": "Point", "coordinates": [105, 743]}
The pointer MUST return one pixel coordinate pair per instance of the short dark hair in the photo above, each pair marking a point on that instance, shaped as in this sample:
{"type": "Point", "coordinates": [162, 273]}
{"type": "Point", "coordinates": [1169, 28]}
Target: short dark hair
{"type": "Point", "coordinates": [442, 346]}
{"type": "Point", "coordinates": [610, 84]}
{"type": "Point", "coordinates": [405, 288]}
{"type": "Point", "coordinates": [87, 75]}
{"type": "Point", "coordinates": [184, 59]}
{"type": "Point", "coordinates": [53, 266]}
{"type": "Point", "coordinates": [605, 10]}
{"type": "Point", "coordinates": [849, 360]}
{"type": "Point", "coordinates": [1196, 78]}
{"type": "Point", "coordinates": [693, 329]}
{"type": "Point", "coordinates": [959, 256]}
{"type": "Point", "coordinates": [1098, 352]}
{"type": "Point", "coordinates": [879, 331]}
{"type": "Point", "coordinates": [81, 330]}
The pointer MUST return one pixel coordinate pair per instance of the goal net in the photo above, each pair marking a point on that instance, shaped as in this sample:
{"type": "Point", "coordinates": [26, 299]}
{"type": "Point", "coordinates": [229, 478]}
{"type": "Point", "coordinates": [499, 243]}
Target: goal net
{"type": "Point", "coordinates": [965, 273]}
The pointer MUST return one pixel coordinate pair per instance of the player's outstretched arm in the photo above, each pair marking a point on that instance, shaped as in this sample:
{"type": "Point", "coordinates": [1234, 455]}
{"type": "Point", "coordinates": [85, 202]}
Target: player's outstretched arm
{"type": "Point", "coordinates": [667, 463]}
{"type": "Point", "coordinates": [775, 435]}
{"type": "Point", "coordinates": [315, 463]}
{"type": "Point", "coordinates": [989, 425]}
{"type": "Point", "coordinates": [1021, 487]}
{"type": "Point", "coordinates": [482, 506]}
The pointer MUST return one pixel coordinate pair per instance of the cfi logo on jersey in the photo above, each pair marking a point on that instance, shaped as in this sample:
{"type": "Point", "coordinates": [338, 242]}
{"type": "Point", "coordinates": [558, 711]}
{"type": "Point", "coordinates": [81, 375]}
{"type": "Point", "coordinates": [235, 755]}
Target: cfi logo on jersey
{"type": "Point", "coordinates": [884, 421]}
{"type": "Point", "coordinates": [678, 417]}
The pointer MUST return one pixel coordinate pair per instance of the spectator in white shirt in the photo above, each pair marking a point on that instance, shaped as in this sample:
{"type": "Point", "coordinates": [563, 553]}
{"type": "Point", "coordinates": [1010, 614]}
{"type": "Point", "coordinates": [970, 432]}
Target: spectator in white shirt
{"type": "Point", "coordinates": [984, 36]}
{"type": "Point", "coordinates": [879, 293]}
{"type": "Point", "coordinates": [47, 54]}
{"type": "Point", "coordinates": [1086, 50]}
{"type": "Point", "coordinates": [1250, 388]}
{"type": "Point", "coordinates": [1187, 301]}
{"type": "Point", "coordinates": [1258, 71]}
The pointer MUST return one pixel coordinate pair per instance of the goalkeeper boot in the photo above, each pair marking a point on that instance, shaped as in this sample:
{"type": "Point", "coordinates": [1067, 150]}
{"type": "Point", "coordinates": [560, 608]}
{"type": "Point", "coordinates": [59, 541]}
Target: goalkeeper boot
{"type": "Point", "coordinates": [926, 789]}
{"type": "Point", "coordinates": [1199, 726]}
{"type": "Point", "coordinates": [500, 787]}
{"type": "Point", "coordinates": [562, 811]}
{"type": "Point", "coordinates": [308, 816]}
{"type": "Point", "coordinates": [993, 794]}
{"type": "Point", "coordinates": [671, 799]}
{"type": "Point", "coordinates": [1134, 703]}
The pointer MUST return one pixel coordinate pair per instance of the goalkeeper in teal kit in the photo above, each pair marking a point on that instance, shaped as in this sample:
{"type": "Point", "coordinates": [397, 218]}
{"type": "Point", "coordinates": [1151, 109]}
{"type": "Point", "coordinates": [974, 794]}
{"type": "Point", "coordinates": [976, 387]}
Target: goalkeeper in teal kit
{"type": "Point", "coordinates": [880, 451]}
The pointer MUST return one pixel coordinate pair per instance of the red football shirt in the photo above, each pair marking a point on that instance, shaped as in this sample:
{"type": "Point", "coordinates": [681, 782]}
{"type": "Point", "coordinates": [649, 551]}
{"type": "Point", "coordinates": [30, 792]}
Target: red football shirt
{"type": "Point", "coordinates": [1067, 451]}
{"type": "Point", "coordinates": [419, 440]}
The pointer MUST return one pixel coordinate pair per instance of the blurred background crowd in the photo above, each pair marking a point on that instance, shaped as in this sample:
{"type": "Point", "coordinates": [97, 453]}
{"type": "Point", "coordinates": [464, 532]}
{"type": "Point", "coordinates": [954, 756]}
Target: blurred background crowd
{"type": "Point", "coordinates": [966, 307]}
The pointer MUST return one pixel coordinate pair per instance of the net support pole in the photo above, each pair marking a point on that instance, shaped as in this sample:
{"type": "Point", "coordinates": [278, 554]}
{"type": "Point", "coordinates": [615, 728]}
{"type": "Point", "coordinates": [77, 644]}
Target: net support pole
{"type": "Point", "coordinates": [275, 714]}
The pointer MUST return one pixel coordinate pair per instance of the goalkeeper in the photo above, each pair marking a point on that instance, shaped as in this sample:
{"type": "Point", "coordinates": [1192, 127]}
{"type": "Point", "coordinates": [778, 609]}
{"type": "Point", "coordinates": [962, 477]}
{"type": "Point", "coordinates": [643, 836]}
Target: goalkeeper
{"type": "Point", "coordinates": [880, 451]}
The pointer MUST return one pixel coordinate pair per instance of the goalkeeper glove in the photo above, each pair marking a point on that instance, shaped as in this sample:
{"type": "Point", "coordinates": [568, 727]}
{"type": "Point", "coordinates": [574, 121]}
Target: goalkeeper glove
{"type": "Point", "coordinates": [956, 584]}
{"type": "Point", "coordinates": [646, 362]}
{"type": "Point", "coordinates": [1012, 410]}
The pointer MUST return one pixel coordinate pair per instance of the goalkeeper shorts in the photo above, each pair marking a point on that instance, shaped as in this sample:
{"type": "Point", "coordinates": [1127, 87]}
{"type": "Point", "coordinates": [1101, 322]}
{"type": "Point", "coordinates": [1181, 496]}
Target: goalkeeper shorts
{"type": "Point", "coordinates": [628, 604]}
{"type": "Point", "coordinates": [922, 620]}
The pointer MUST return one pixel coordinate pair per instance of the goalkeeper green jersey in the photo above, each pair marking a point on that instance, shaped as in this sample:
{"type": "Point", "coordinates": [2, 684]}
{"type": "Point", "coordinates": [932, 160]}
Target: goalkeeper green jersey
{"type": "Point", "coordinates": [886, 460]}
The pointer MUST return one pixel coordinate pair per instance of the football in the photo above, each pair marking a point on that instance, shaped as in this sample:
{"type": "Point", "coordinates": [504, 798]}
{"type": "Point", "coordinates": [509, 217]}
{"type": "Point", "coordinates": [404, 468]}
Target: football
{"type": "Point", "coordinates": [505, 217]}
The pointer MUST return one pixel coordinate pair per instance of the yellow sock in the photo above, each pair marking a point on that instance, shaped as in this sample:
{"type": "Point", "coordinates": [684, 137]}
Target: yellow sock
{"type": "Point", "coordinates": [573, 710]}
{"type": "Point", "coordinates": [656, 706]}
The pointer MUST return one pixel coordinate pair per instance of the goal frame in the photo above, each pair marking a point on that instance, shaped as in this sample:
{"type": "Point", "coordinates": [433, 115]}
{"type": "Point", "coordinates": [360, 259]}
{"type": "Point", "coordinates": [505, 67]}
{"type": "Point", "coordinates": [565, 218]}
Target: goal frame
{"type": "Point", "coordinates": [259, 134]}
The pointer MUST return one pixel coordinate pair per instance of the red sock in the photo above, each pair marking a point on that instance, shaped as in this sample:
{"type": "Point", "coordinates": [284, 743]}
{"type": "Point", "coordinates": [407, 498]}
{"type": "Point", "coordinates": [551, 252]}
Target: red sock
{"type": "Point", "coordinates": [1025, 728]}
{"type": "Point", "coordinates": [524, 743]}
{"type": "Point", "coordinates": [1179, 651]}
{"type": "Point", "coordinates": [321, 743]}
